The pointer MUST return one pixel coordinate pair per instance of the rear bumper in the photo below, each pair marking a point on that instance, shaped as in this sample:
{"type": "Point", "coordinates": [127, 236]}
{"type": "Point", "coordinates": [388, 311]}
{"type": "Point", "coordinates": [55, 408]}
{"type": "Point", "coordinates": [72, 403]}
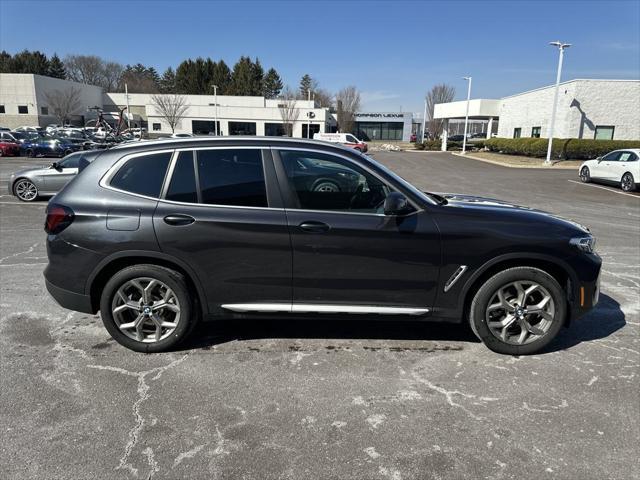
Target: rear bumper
{"type": "Point", "coordinates": [69, 300]}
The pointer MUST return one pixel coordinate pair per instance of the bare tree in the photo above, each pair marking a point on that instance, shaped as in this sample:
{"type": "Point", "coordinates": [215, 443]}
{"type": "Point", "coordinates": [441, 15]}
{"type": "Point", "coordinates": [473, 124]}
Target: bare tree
{"type": "Point", "coordinates": [288, 109]}
{"type": "Point", "coordinates": [93, 70]}
{"type": "Point", "coordinates": [64, 103]}
{"type": "Point", "coordinates": [438, 94]}
{"type": "Point", "coordinates": [348, 103]}
{"type": "Point", "coordinates": [171, 108]}
{"type": "Point", "coordinates": [324, 98]}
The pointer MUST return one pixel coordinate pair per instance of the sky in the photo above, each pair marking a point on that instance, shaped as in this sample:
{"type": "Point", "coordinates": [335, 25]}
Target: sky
{"type": "Point", "coordinates": [392, 51]}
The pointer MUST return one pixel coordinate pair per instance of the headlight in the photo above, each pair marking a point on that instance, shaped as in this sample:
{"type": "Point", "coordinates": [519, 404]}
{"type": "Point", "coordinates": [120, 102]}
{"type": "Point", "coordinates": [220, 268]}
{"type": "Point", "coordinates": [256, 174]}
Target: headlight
{"type": "Point", "coordinates": [585, 244]}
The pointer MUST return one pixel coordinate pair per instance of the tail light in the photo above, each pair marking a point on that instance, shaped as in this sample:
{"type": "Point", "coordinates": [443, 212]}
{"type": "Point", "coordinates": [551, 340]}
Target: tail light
{"type": "Point", "coordinates": [59, 217]}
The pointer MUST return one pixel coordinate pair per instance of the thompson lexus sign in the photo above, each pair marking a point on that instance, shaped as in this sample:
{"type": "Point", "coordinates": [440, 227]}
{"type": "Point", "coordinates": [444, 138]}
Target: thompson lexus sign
{"type": "Point", "coordinates": [379, 115]}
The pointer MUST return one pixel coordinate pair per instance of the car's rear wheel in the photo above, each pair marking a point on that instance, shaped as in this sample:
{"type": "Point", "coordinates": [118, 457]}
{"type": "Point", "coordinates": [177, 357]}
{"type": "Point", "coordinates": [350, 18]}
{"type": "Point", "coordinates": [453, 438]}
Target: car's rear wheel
{"type": "Point", "coordinates": [326, 186]}
{"type": "Point", "coordinates": [627, 183]}
{"type": "Point", "coordinates": [31, 153]}
{"type": "Point", "coordinates": [25, 190]}
{"type": "Point", "coordinates": [147, 308]}
{"type": "Point", "coordinates": [585, 175]}
{"type": "Point", "coordinates": [518, 311]}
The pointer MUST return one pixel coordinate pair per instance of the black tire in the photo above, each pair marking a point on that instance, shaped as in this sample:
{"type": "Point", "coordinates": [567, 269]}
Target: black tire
{"type": "Point", "coordinates": [585, 175]}
{"type": "Point", "coordinates": [486, 292]}
{"type": "Point", "coordinates": [627, 182]}
{"type": "Point", "coordinates": [325, 185]}
{"type": "Point", "coordinates": [175, 281]}
{"type": "Point", "coordinates": [31, 153]}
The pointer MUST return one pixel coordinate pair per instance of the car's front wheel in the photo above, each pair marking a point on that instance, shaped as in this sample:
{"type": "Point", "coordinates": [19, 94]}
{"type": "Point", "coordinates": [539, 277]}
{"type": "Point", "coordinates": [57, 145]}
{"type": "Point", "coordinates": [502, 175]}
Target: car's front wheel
{"type": "Point", "coordinates": [518, 311]}
{"type": "Point", "coordinates": [627, 183]}
{"type": "Point", "coordinates": [25, 190]}
{"type": "Point", "coordinates": [585, 175]}
{"type": "Point", "coordinates": [147, 308]}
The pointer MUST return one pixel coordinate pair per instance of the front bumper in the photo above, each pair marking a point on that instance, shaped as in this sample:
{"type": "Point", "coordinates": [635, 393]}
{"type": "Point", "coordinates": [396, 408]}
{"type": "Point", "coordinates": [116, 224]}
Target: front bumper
{"type": "Point", "coordinates": [586, 291]}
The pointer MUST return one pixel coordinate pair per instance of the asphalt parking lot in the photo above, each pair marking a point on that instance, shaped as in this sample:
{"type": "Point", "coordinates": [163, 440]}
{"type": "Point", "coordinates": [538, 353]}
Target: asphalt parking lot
{"type": "Point", "coordinates": [337, 399]}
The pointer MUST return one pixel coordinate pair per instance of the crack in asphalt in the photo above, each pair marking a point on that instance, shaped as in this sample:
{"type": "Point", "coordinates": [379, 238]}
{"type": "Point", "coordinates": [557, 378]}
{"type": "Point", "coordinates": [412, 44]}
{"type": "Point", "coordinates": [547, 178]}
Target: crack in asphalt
{"type": "Point", "coordinates": [143, 395]}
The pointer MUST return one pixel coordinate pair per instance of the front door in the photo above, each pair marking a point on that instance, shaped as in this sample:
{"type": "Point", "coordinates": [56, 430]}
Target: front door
{"type": "Point", "coordinates": [56, 178]}
{"type": "Point", "coordinates": [219, 217]}
{"type": "Point", "coordinates": [347, 255]}
{"type": "Point", "coordinates": [605, 168]}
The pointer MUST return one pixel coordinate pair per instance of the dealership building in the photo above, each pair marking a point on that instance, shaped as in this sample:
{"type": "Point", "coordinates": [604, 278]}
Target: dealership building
{"type": "Point", "coordinates": [587, 108]}
{"type": "Point", "coordinates": [601, 109]}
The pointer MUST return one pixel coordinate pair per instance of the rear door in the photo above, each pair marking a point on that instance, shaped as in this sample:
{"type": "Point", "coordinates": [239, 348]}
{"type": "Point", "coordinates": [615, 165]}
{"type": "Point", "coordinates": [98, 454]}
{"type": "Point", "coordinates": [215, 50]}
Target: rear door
{"type": "Point", "coordinates": [626, 162]}
{"type": "Point", "coordinates": [221, 214]}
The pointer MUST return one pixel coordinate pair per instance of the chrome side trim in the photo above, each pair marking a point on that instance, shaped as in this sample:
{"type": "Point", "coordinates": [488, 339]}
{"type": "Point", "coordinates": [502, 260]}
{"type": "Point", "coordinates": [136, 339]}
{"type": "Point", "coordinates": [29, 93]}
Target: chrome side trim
{"type": "Point", "coordinates": [319, 308]}
{"type": "Point", "coordinates": [455, 277]}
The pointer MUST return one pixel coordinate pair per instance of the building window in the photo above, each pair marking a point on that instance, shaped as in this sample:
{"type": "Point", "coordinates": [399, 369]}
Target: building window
{"type": "Point", "coordinates": [604, 133]}
{"type": "Point", "coordinates": [44, 110]}
{"type": "Point", "coordinates": [378, 130]}
{"type": "Point", "coordinates": [157, 127]}
{"type": "Point", "coordinates": [242, 128]}
{"type": "Point", "coordinates": [2, 109]}
{"type": "Point", "coordinates": [274, 130]}
{"type": "Point", "coordinates": [535, 132]}
{"type": "Point", "coordinates": [517, 132]}
{"type": "Point", "coordinates": [22, 109]}
{"type": "Point", "coordinates": [204, 127]}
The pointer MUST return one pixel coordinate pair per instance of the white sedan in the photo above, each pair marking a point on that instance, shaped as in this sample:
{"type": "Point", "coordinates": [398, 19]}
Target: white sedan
{"type": "Point", "coordinates": [621, 167]}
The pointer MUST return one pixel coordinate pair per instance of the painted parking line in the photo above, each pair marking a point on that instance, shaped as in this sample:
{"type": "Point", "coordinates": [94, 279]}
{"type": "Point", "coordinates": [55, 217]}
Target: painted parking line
{"type": "Point", "coordinates": [605, 188]}
{"type": "Point", "coordinates": [24, 204]}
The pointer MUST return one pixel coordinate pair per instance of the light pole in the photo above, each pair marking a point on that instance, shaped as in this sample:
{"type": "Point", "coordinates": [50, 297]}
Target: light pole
{"type": "Point", "coordinates": [466, 117]}
{"type": "Point", "coordinates": [215, 100]}
{"type": "Point", "coordinates": [308, 116]}
{"type": "Point", "coordinates": [561, 47]}
{"type": "Point", "coordinates": [424, 120]}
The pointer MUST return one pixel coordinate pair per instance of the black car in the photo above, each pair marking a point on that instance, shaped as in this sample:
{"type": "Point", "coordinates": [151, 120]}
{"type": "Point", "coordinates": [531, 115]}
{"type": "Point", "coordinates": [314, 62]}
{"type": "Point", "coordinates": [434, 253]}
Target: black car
{"type": "Point", "coordinates": [456, 138]}
{"type": "Point", "coordinates": [159, 235]}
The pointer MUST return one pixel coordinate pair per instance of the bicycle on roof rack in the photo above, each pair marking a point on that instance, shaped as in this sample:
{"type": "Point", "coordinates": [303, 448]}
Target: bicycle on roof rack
{"type": "Point", "coordinates": [101, 126]}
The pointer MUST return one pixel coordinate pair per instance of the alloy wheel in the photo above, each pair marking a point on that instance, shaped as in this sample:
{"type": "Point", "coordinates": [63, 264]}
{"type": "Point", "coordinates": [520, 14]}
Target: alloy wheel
{"type": "Point", "coordinates": [25, 190]}
{"type": "Point", "coordinates": [627, 182]}
{"type": "Point", "coordinates": [584, 174]}
{"type": "Point", "coordinates": [326, 187]}
{"type": "Point", "coordinates": [520, 312]}
{"type": "Point", "coordinates": [146, 310]}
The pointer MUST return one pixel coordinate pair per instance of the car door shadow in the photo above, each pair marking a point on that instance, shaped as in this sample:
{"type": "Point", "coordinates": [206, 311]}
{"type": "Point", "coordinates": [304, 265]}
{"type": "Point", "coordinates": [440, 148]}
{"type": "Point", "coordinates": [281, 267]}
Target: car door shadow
{"type": "Point", "coordinates": [412, 334]}
{"type": "Point", "coordinates": [600, 322]}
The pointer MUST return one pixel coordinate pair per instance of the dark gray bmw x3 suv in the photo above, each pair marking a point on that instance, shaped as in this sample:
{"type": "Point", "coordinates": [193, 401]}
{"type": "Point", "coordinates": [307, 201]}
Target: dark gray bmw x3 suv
{"type": "Point", "coordinates": [160, 235]}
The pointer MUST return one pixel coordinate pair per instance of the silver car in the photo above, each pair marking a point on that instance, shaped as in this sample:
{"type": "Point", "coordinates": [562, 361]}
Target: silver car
{"type": "Point", "coordinates": [46, 181]}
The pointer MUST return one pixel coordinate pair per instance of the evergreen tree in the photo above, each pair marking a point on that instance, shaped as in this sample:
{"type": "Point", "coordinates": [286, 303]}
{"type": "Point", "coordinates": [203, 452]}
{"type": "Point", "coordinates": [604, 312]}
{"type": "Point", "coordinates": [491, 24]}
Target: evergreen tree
{"type": "Point", "coordinates": [272, 84]}
{"type": "Point", "coordinates": [56, 68]}
{"type": "Point", "coordinates": [307, 83]}
{"type": "Point", "coordinates": [30, 62]}
{"type": "Point", "coordinates": [6, 62]}
{"type": "Point", "coordinates": [257, 79]}
{"type": "Point", "coordinates": [167, 82]}
{"type": "Point", "coordinates": [221, 77]}
{"type": "Point", "coordinates": [242, 77]}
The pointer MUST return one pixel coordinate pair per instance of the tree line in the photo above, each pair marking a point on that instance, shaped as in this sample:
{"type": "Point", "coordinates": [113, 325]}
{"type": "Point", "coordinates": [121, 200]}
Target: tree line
{"type": "Point", "coordinates": [200, 76]}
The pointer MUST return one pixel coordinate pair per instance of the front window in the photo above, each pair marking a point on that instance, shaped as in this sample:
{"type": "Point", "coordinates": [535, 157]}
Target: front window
{"type": "Point", "coordinates": [604, 133]}
{"type": "Point", "coordinates": [352, 139]}
{"type": "Point", "coordinates": [517, 132]}
{"type": "Point", "coordinates": [71, 161]}
{"type": "Point", "coordinates": [143, 174]}
{"type": "Point", "coordinates": [326, 182]}
{"type": "Point", "coordinates": [232, 177]}
{"type": "Point", "coordinates": [611, 157]}
{"type": "Point", "coordinates": [535, 132]}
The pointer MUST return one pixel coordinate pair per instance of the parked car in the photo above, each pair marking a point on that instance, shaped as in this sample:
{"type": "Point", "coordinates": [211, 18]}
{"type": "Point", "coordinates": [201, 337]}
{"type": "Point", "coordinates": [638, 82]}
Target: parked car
{"type": "Point", "coordinates": [138, 238]}
{"type": "Point", "coordinates": [413, 137]}
{"type": "Point", "coordinates": [19, 137]}
{"type": "Point", "coordinates": [620, 167]}
{"type": "Point", "coordinates": [47, 146]}
{"type": "Point", "coordinates": [8, 136]}
{"type": "Point", "coordinates": [26, 128]}
{"type": "Point", "coordinates": [455, 138]}
{"type": "Point", "coordinates": [9, 148]}
{"type": "Point", "coordinates": [480, 135]}
{"type": "Point", "coordinates": [343, 138]}
{"type": "Point", "coordinates": [180, 135]}
{"type": "Point", "coordinates": [46, 180]}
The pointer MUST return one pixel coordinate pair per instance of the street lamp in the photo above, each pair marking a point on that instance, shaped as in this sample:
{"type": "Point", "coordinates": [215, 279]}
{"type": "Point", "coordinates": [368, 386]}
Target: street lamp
{"type": "Point", "coordinates": [215, 100]}
{"type": "Point", "coordinates": [561, 47]}
{"type": "Point", "coordinates": [424, 120]}
{"type": "Point", "coordinates": [466, 117]}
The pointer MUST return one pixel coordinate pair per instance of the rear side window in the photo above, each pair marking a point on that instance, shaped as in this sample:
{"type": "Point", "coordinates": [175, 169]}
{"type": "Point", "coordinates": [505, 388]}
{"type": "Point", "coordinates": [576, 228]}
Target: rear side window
{"type": "Point", "coordinates": [142, 175]}
{"type": "Point", "coordinates": [183, 181]}
{"type": "Point", "coordinates": [232, 177]}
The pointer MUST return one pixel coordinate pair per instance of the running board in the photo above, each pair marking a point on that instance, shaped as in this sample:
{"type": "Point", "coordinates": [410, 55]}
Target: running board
{"type": "Point", "coordinates": [311, 308]}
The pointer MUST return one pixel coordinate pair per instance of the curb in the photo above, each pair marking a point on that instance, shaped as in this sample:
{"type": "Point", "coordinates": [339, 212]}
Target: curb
{"type": "Point", "coordinates": [531, 167]}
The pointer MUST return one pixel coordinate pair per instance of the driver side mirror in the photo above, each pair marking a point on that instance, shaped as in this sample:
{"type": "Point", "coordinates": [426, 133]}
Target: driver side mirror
{"type": "Point", "coordinates": [599, 159]}
{"type": "Point", "coordinates": [396, 204]}
{"type": "Point", "coordinates": [55, 165]}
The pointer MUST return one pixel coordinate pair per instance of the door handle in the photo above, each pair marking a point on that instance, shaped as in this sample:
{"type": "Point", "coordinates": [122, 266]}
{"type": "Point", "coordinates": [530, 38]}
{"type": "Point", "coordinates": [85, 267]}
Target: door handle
{"type": "Point", "coordinates": [314, 227]}
{"type": "Point", "coordinates": [178, 219]}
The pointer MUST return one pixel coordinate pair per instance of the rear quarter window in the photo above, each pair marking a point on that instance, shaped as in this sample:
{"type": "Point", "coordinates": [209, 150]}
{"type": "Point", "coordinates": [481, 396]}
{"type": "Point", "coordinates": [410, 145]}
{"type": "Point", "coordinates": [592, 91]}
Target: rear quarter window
{"type": "Point", "coordinates": [143, 174]}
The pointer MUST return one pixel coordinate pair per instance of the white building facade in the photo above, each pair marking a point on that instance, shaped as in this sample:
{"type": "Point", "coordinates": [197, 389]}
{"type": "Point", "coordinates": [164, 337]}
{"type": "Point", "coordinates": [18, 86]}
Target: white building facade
{"type": "Point", "coordinates": [600, 109]}
{"type": "Point", "coordinates": [25, 99]}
